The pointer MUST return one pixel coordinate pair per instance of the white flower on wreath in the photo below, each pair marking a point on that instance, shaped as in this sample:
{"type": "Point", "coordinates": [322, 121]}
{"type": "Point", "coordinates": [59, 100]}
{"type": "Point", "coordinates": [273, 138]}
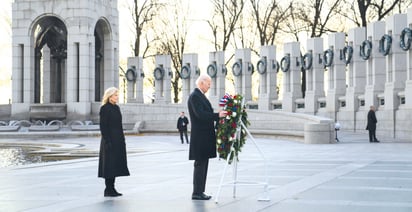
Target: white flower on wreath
{"type": "Point", "coordinates": [219, 141]}
{"type": "Point", "coordinates": [227, 117]}
{"type": "Point", "coordinates": [234, 114]}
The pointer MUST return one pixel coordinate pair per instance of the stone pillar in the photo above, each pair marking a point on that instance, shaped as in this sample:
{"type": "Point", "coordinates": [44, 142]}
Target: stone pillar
{"type": "Point", "coordinates": [23, 61]}
{"type": "Point", "coordinates": [356, 81]}
{"type": "Point", "coordinates": [135, 76]}
{"type": "Point", "coordinates": [291, 77]}
{"type": "Point", "coordinates": [403, 120]}
{"type": "Point", "coordinates": [395, 62]}
{"type": "Point", "coordinates": [47, 80]}
{"type": "Point", "coordinates": [80, 75]}
{"type": "Point", "coordinates": [189, 74]}
{"type": "Point", "coordinates": [395, 74]}
{"type": "Point", "coordinates": [163, 76]}
{"type": "Point", "coordinates": [408, 86]}
{"type": "Point", "coordinates": [336, 73]}
{"type": "Point", "coordinates": [217, 71]}
{"type": "Point", "coordinates": [375, 73]}
{"type": "Point", "coordinates": [314, 76]}
{"type": "Point", "coordinates": [267, 68]}
{"type": "Point", "coordinates": [242, 72]}
{"type": "Point", "coordinates": [18, 72]}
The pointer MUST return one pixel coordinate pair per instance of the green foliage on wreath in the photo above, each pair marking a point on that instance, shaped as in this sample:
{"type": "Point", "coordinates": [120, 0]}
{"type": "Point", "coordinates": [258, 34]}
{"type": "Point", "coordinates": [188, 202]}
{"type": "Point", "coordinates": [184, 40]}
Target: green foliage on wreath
{"type": "Point", "coordinates": [230, 134]}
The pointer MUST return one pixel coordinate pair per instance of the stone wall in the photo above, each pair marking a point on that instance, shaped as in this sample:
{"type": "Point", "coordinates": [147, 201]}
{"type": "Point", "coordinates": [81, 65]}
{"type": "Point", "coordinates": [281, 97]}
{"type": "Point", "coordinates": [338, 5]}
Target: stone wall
{"type": "Point", "coordinates": [146, 118]}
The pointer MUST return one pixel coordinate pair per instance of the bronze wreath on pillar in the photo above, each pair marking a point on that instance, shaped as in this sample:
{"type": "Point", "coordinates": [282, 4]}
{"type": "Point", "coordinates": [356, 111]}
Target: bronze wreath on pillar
{"type": "Point", "coordinates": [307, 60]}
{"type": "Point", "coordinates": [408, 34]}
{"type": "Point", "coordinates": [285, 63]}
{"type": "Point", "coordinates": [212, 70]}
{"type": "Point", "coordinates": [159, 73]}
{"type": "Point", "coordinates": [347, 54]}
{"type": "Point", "coordinates": [237, 68]}
{"type": "Point", "coordinates": [368, 45]}
{"type": "Point", "coordinates": [327, 57]}
{"type": "Point", "coordinates": [385, 44]}
{"type": "Point", "coordinates": [185, 72]}
{"type": "Point", "coordinates": [131, 74]}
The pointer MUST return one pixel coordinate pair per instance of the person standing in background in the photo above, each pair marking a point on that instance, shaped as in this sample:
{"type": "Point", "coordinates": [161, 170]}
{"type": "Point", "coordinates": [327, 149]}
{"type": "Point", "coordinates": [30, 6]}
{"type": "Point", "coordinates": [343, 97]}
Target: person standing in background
{"type": "Point", "coordinates": [112, 155]}
{"type": "Point", "coordinates": [182, 123]}
{"type": "Point", "coordinates": [371, 125]}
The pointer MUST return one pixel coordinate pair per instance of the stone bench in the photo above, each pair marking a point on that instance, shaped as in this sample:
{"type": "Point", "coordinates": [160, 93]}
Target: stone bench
{"type": "Point", "coordinates": [44, 128]}
{"type": "Point", "coordinates": [93, 127]}
{"type": "Point", "coordinates": [9, 128]}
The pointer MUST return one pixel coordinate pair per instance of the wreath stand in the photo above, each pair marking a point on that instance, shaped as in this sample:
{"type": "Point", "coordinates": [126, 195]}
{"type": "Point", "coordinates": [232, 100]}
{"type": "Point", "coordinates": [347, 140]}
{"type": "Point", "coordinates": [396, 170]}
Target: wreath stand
{"type": "Point", "coordinates": [235, 182]}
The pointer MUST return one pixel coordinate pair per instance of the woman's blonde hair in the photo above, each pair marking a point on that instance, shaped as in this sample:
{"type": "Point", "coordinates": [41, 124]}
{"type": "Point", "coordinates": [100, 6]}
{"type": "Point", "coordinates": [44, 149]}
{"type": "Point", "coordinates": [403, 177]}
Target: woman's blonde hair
{"type": "Point", "coordinates": [108, 93]}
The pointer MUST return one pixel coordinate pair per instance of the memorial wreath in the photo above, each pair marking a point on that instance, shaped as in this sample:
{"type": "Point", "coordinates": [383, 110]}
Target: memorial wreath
{"type": "Point", "coordinates": [227, 136]}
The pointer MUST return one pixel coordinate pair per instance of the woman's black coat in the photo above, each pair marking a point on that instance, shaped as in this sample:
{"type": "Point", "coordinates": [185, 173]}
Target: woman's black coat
{"type": "Point", "coordinates": [112, 156]}
{"type": "Point", "coordinates": [202, 136]}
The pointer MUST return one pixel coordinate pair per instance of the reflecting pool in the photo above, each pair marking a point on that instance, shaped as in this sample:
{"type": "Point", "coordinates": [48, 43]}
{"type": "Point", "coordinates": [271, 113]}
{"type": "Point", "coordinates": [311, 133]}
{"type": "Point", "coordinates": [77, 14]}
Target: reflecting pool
{"type": "Point", "coordinates": [14, 156]}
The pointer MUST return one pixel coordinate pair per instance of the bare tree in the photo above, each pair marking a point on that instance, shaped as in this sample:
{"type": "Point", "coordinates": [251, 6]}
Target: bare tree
{"type": "Point", "coordinates": [173, 43]}
{"type": "Point", "coordinates": [318, 16]}
{"type": "Point", "coordinates": [362, 12]}
{"type": "Point", "coordinates": [370, 10]}
{"type": "Point", "coordinates": [269, 19]}
{"type": "Point", "coordinates": [224, 21]}
{"type": "Point", "coordinates": [293, 25]}
{"type": "Point", "coordinates": [143, 17]}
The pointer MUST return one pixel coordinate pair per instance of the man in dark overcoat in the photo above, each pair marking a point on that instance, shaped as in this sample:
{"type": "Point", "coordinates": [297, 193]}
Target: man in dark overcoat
{"type": "Point", "coordinates": [371, 125]}
{"type": "Point", "coordinates": [203, 135]}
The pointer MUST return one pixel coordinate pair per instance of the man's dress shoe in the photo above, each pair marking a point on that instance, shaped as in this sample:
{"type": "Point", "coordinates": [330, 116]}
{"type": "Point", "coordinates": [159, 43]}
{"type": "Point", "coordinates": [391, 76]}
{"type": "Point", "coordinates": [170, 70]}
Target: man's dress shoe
{"type": "Point", "coordinates": [201, 196]}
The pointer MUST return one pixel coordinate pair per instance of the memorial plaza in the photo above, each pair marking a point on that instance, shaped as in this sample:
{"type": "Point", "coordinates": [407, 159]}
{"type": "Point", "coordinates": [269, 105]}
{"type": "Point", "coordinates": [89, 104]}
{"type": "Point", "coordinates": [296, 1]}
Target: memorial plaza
{"type": "Point", "coordinates": [66, 53]}
{"type": "Point", "coordinates": [351, 175]}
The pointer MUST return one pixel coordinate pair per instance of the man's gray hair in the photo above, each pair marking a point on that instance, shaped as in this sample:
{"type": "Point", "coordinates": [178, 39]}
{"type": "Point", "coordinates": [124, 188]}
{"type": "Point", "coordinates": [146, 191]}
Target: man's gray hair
{"type": "Point", "coordinates": [202, 78]}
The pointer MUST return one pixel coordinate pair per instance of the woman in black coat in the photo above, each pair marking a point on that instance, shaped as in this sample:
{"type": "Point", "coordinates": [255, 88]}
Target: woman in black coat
{"type": "Point", "coordinates": [112, 156]}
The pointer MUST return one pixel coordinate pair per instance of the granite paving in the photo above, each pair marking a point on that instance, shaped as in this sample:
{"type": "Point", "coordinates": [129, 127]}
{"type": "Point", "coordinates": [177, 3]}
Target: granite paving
{"type": "Point", "coordinates": [286, 176]}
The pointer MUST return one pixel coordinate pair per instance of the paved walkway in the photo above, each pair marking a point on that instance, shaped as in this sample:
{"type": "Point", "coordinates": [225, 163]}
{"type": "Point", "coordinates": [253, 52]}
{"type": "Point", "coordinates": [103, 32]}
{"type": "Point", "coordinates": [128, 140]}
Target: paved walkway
{"type": "Point", "coordinates": [352, 175]}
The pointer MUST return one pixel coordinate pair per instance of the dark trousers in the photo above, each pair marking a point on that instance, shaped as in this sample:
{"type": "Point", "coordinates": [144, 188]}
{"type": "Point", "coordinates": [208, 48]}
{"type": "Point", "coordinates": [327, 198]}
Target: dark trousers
{"type": "Point", "coordinates": [199, 176]}
{"type": "Point", "coordinates": [372, 135]}
{"type": "Point", "coordinates": [181, 136]}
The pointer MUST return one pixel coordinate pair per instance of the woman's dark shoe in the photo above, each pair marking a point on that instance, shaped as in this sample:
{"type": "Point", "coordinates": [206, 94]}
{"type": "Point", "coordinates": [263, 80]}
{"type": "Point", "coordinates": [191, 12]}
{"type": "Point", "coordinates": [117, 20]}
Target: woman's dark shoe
{"type": "Point", "coordinates": [117, 193]}
{"type": "Point", "coordinates": [111, 193]}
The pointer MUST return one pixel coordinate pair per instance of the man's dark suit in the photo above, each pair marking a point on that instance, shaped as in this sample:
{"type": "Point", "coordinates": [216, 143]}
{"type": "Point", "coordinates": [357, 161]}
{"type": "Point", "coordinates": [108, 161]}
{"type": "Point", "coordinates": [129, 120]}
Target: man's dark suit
{"type": "Point", "coordinates": [202, 138]}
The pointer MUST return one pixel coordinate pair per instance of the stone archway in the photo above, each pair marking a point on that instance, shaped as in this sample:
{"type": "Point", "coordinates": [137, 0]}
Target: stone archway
{"type": "Point", "coordinates": [102, 35]}
{"type": "Point", "coordinates": [55, 47]}
{"type": "Point", "coordinates": [50, 50]}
